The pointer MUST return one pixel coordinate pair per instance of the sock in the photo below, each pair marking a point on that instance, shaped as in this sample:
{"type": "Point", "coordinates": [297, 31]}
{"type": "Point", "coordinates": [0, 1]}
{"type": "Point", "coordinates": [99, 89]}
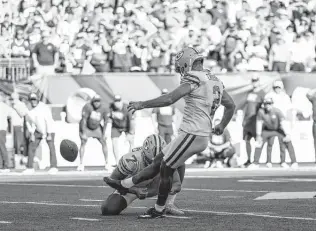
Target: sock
{"type": "Point", "coordinates": [159, 208]}
{"type": "Point", "coordinates": [171, 199]}
{"type": "Point", "coordinates": [127, 183]}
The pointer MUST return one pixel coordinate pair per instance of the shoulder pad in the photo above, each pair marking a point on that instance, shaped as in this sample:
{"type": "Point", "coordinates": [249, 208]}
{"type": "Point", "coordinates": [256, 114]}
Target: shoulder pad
{"type": "Point", "coordinates": [192, 77]}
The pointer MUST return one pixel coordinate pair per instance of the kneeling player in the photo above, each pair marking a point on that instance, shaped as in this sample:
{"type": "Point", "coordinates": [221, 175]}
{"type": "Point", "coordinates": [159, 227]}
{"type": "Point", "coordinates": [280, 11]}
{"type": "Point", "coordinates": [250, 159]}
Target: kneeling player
{"type": "Point", "coordinates": [134, 162]}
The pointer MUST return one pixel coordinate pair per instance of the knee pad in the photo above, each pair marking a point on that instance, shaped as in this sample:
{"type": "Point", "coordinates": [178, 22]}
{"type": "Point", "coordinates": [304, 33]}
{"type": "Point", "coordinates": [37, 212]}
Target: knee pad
{"type": "Point", "coordinates": [113, 205]}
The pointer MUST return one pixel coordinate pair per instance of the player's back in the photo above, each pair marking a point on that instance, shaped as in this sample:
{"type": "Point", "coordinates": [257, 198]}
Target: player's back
{"type": "Point", "coordinates": [202, 102]}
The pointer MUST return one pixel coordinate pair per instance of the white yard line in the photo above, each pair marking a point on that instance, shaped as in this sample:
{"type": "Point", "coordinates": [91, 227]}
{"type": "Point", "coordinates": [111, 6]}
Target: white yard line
{"type": "Point", "coordinates": [100, 186]}
{"type": "Point", "coordinates": [250, 214]}
{"type": "Point", "coordinates": [185, 210]}
{"type": "Point", "coordinates": [46, 203]}
{"type": "Point", "coordinates": [178, 217]}
{"type": "Point", "coordinates": [90, 200]}
{"type": "Point", "coordinates": [287, 196]}
{"type": "Point", "coordinates": [5, 222]}
{"type": "Point", "coordinates": [84, 219]}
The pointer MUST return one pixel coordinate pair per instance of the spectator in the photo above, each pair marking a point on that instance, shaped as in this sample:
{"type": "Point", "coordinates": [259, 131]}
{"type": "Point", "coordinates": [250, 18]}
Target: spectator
{"type": "Point", "coordinates": [93, 125]}
{"type": "Point", "coordinates": [79, 54]}
{"type": "Point", "coordinates": [6, 27]}
{"type": "Point", "coordinates": [253, 104]}
{"type": "Point", "coordinates": [163, 119]}
{"type": "Point", "coordinates": [45, 56]}
{"type": "Point", "coordinates": [299, 58]}
{"type": "Point", "coordinates": [40, 128]}
{"type": "Point", "coordinates": [20, 46]}
{"type": "Point", "coordinates": [85, 25]}
{"type": "Point", "coordinates": [266, 20]}
{"type": "Point", "coordinates": [270, 124]}
{"type": "Point", "coordinates": [100, 54]}
{"type": "Point", "coordinates": [17, 122]}
{"type": "Point", "coordinates": [281, 99]}
{"type": "Point", "coordinates": [220, 149]}
{"type": "Point", "coordinates": [257, 54]}
{"type": "Point", "coordinates": [122, 56]}
{"type": "Point", "coordinates": [122, 121]}
{"type": "Point", "coordinates": [4, 116]}
{"type": "Point", "coordinates": [279, 57]}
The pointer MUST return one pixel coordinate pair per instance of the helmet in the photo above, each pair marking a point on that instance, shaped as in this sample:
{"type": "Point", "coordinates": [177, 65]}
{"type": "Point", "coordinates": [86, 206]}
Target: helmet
{"type": "Point", "coordinates": [152, 146]}
{"type": "Point", "coordinates": [186, 58]}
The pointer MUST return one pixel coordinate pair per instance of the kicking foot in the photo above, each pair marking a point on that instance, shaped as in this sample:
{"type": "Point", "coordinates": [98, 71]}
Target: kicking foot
{"type": "Point", "coordinates": [152, 213]}
{"type": "Point", "coordinates": [116, 184]}
{"type": "Point", "coordinates": [173, 210]}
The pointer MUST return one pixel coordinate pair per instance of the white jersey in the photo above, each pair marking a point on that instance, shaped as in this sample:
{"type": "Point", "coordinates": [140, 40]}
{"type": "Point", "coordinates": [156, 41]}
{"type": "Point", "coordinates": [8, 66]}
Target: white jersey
{"type": "Point", "coordinates": [201, 103]}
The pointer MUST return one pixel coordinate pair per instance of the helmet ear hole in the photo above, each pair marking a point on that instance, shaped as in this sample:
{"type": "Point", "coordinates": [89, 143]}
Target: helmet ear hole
{"type": "Point", "coordinates": [185, 65]}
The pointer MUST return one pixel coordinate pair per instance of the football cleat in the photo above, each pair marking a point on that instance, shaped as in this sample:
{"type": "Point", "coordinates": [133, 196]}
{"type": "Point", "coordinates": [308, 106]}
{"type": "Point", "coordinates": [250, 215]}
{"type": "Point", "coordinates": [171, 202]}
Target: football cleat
{"type": "Point", "coordinates": [152, 213]}
{"type": "Point", "coordinates": [173, 210]}
{"type": "Point", "coordinates": [116, 184]}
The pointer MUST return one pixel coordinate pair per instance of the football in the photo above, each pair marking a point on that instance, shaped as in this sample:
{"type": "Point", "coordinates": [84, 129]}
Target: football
{"type": "Point", "coordinates": [69, 150]}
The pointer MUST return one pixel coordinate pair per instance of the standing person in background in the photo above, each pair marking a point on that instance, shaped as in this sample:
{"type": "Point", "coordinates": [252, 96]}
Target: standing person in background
{"type": "Point", "coordinates": [4, 116]}
{"type": "Point", "coordinates": [163, 119]}
{"type": "Point", "coordinates": [21, 109]}
{"type": "Point", "coordinates": [280, 55]}
{"type": "Point", "coordinates": [17, 122]}
{"type": "Point", "coordinates": [271, 123]}
{"type": "Point", "coordinates": [122, 121]}
{"type": "Point", "coordinates": [93, 124]}
{"type": "Point", "coordinates": [311, 96]}
{"type": "Point", "coordinates": [45, 56]}
{"type": "Point", "coordinates": [281, 100]}
{"type": "Point", "coordinates": [42, 127]}
{"type": "Point", "coordinates": [253, 104]}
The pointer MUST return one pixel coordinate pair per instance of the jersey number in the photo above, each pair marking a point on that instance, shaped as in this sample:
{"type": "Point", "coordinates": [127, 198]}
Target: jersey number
{"type": "Point", "coordinates": [216, 99]}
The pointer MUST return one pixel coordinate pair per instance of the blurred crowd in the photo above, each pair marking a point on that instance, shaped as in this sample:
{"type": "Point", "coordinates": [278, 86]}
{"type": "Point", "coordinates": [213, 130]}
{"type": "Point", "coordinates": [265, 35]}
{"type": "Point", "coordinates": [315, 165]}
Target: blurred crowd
{"type": "Point", "coordinates": [139, 35]}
